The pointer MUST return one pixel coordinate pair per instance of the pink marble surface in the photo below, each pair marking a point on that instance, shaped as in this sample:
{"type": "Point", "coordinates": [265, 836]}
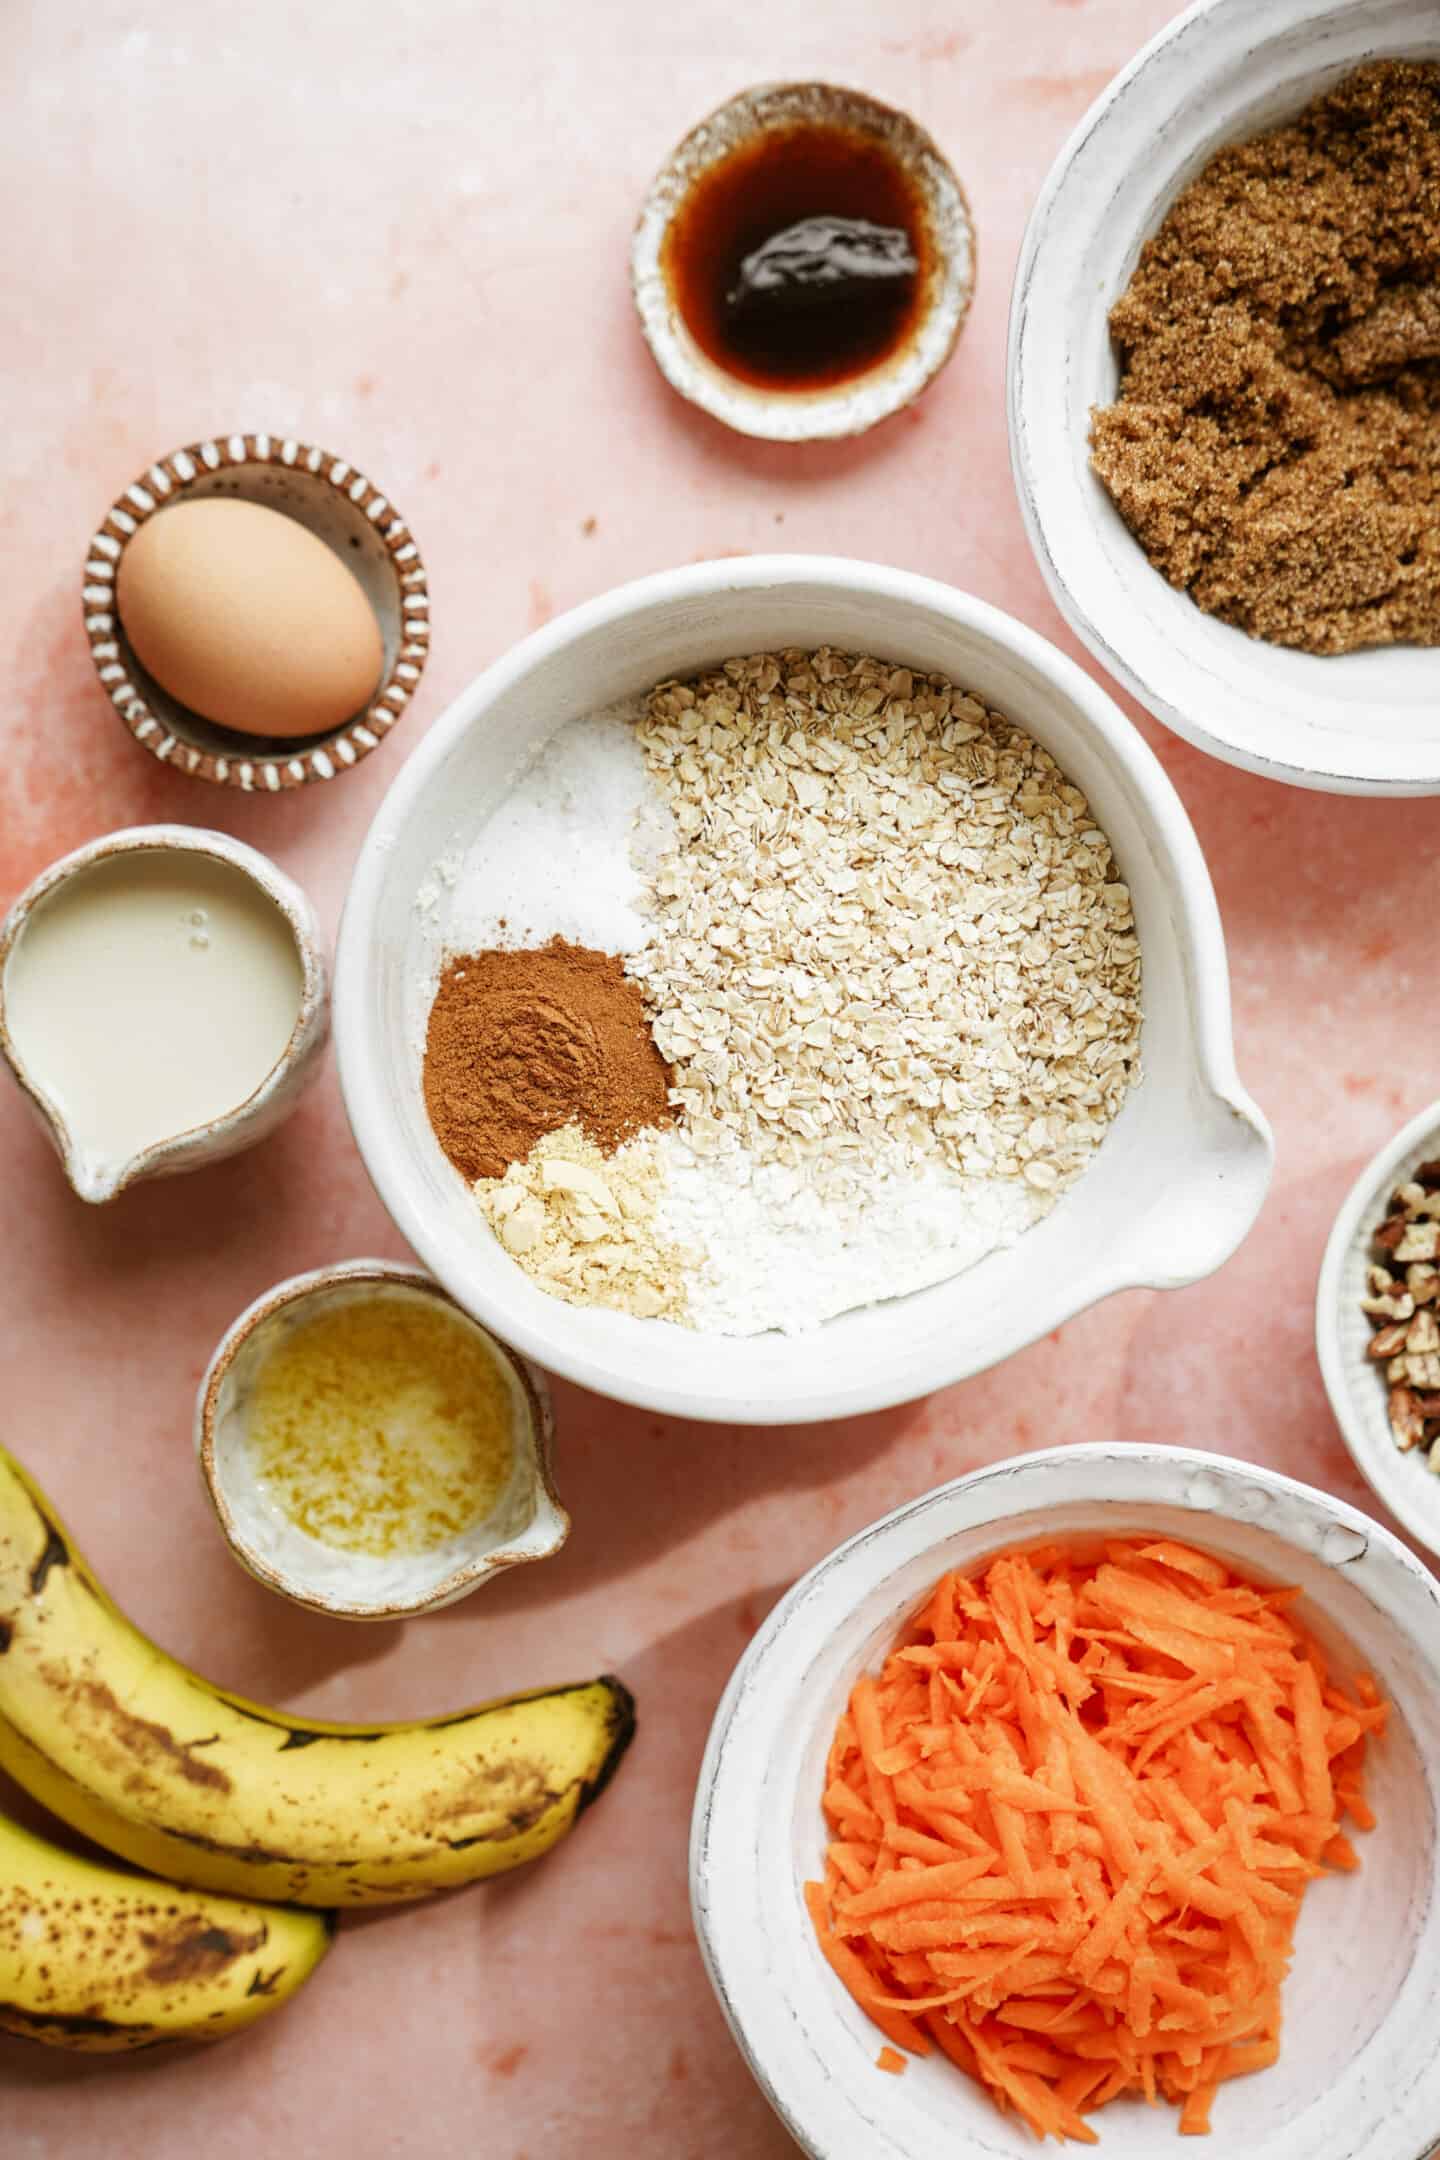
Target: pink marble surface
{"type": "Point", "coordinates": [402, 233]}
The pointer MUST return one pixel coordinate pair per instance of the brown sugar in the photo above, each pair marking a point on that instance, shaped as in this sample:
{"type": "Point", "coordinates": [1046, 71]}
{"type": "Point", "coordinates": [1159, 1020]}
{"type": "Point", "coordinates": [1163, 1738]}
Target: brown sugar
{"type": "Point", "coordinates": [522, 1042]}
{"type": "Point", "coordinates": [1275, 447]}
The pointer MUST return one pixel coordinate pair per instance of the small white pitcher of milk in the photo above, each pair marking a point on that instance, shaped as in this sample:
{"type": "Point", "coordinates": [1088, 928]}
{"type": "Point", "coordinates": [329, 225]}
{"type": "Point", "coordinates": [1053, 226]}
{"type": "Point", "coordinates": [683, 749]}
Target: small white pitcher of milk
{"type": "Point", "coordinates": [163, 1002]}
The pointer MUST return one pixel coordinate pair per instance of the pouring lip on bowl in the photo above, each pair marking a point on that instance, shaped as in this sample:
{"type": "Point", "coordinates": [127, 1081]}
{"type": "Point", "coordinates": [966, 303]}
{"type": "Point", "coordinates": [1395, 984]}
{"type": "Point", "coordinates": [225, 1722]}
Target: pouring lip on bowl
{"type": "Point", "coordinates": [267, 1105]}
{"type": "Point", "coordinates": [738, 1814]}
{"type": "Point", "coordinates": [326, 493]}
{"type": "Point", "coordinates": [541, 1536]}
{"type": "Point", "coordinates": [1354, 1383]}
{"type": "Point", "coordinates": [1234, 1170]}
{"type": "Point", "coordinates": [1324, 722]}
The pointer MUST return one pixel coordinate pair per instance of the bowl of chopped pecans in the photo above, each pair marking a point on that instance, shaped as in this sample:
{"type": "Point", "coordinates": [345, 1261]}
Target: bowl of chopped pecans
{"type": "Point", "coordinates": [1377, 1324]}
{"type": "Point", "coordinates": [920, 931]}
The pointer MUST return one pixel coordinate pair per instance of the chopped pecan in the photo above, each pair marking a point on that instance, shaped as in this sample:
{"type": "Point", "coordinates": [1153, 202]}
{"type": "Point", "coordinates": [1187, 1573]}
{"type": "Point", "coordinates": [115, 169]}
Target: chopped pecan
{"type": "Point", "coordinates": [1423, 1333]}
{"type": "Point", "coordinates": [1387, 1341]}
{"type": "Point", "coordinates": [1420, 1241]}
{"type": "Point", "coordinates": [1393, 1304]}
{"type": "Point", "coordinates": [1406, 1421]}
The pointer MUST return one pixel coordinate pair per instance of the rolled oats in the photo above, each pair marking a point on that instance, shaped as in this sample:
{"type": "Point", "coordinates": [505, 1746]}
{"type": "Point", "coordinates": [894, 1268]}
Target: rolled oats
{"type": "Point", "coordinates": [888, 915]}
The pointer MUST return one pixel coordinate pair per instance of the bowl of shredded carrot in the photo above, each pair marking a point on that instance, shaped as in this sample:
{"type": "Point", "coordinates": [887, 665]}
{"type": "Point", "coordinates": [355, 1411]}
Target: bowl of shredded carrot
{"type": "Point", "coordinates": [1092, 1797]}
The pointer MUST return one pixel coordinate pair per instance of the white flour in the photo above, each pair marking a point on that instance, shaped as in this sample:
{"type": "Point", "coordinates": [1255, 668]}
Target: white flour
{"type": "Point", "coordinates": [565, 855]}
{"type": "Point", "coordinates": [778, 1254]}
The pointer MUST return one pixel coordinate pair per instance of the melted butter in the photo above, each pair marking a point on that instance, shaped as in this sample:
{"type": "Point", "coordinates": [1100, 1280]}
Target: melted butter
{"type": "Point", "coordinates": [384, 1426]}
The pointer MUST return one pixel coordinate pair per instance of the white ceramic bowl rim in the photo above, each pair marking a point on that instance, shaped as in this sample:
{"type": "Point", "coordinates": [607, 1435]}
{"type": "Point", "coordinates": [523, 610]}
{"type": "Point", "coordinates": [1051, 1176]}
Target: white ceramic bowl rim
{"type": "Point", "coordinates": [1402, 1481]}
{"type": "Point", "coordinates": [1358, 723]}
{"type": "Point", "coordinates": [1393, 2107]}
{"type": "Point", "coordinates": [1189, 907]}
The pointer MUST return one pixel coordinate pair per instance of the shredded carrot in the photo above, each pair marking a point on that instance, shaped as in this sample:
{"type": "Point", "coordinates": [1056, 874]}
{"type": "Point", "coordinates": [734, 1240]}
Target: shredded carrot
{"type": "Point", "coordinates": [1072, 1821]}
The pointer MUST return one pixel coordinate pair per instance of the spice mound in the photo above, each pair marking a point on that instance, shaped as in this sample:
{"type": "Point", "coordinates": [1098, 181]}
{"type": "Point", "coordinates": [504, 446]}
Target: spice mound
{"type": "Point", "coordinates": [384, 1426]}
{"type": "Point", "coordinates": [1402, 1300]}
{"type": "Point", "coordinates": [1072, 1821]}
{"type": "Point", "coordinates": [878, 1004]}
{"type": "Point", "coordinates": [1276, 443]}
{"type": "Point", "coordinates": [521, 1043]}
{"type": "Point", "coordinates": [585, 1227]}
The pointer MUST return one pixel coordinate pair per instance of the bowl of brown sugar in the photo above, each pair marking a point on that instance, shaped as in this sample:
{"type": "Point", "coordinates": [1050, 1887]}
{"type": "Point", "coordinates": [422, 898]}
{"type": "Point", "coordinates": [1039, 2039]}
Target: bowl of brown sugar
{"type": "Point", "coordinates": [1224, 386]}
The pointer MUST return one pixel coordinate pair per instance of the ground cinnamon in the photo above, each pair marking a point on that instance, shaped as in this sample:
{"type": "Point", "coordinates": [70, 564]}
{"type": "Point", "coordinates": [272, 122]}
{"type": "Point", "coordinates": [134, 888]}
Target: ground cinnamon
{"type": "Point", "coordinates": [1276, 443]}
{"type": "Point", "coordinates": [522, 1042]}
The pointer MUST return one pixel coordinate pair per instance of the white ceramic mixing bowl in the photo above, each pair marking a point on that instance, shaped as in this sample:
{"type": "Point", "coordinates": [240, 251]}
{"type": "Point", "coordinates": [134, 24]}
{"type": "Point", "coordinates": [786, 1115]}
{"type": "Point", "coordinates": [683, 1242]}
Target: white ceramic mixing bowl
{"type": "Point", "coordinates": [1358, 2076]}
{"type": "Point", "coordinates": [1177, 1183]}
{"type": "Point", "coordinates": [1365, 723]}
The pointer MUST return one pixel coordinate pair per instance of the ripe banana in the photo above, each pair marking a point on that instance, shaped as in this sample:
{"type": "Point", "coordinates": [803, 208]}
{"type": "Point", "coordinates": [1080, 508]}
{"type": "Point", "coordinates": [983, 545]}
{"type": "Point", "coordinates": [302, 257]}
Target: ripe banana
{"type": "Point", "coordinates": [97, 1960]}
{"type": "Point", "coordinates": [154, 1763]}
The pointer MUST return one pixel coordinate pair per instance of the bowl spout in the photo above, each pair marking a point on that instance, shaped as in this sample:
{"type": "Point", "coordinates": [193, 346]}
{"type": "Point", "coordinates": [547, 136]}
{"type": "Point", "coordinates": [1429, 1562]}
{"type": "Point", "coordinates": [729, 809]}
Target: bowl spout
{"type": "Point", "coordinates": [1208, 1205]}
{"type": "Point", "coordinates": [92, 1181]}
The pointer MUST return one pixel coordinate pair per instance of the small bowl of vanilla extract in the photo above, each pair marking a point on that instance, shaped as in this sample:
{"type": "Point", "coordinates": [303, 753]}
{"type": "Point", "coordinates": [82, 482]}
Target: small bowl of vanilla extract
{"type": "Point", "coordinates": [803, 262]}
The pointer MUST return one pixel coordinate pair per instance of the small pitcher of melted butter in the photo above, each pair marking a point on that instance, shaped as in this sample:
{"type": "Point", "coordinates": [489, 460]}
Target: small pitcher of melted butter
{"type": "Point", "coordinates": [372, 1452]}
{"type": "Point", "coordinates": [163, 1002]}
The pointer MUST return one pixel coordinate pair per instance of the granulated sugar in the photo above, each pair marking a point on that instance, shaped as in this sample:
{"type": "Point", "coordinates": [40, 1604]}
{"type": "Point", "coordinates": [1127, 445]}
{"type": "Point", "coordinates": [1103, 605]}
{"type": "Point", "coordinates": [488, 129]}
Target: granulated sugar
{"type": "Point", "coordinates": [564, 854]}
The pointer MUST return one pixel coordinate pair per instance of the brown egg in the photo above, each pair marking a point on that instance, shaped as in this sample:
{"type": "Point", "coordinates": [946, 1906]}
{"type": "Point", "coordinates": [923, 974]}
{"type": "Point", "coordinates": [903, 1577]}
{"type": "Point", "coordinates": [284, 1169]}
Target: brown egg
{"type": "Point", "coordinates": [244, 616]}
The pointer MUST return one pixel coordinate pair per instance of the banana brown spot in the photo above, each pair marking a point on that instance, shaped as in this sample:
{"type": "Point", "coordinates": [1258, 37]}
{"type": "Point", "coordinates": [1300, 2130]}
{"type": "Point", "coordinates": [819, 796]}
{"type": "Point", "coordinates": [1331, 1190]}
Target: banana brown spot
{"type": "Point", "coordinates": [56, 1554]}
{"type": "Point", "coordinates": [300, 1736]}
{"type": "Point", "coordinates": [195, 1950]}
{"type": "Point", "coordinates": [56, 2021]}
{"type": "Point", "coordinates": [143, 1738]}
{"type": "Point", "coordinates": [515, 1824]}
{"type": "Point", "coordinates": [7, 1636]}
{"type": "Point", "coordinates": [518, 1788]}
{"type": "Point", "coordinates": [248, 1853]}
{"type": "Point", "coordinates": [265, 1983]}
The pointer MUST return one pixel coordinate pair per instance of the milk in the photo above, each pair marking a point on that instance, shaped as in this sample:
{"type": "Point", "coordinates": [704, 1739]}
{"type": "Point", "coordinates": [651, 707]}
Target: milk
{"type": "Point", "coordinates": [149, 994]}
